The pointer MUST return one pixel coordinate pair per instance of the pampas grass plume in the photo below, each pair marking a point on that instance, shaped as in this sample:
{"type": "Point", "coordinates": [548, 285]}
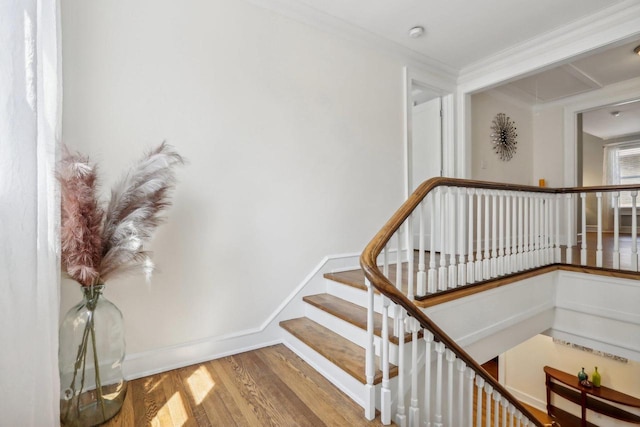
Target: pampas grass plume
{"type": "Point", "coordinates": [100, 244]}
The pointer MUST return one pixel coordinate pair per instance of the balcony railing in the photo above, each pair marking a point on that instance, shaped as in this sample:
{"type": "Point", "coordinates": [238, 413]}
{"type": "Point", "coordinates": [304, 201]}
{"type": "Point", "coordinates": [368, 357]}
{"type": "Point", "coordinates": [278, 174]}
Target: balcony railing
{"type": "Point", "coordinates": [453, 234]}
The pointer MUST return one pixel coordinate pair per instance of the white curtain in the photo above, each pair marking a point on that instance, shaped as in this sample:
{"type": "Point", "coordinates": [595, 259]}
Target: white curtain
{"type": "Point", "coordinates": [30, 100]}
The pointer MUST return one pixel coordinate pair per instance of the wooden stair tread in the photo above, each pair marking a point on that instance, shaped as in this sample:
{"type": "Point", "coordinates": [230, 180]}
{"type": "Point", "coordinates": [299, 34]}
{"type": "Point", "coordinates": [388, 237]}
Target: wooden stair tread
{"type": "Point", "coordinates": [353, 278]}
{"type": "Point", "coordinates": [352, 313]}
{"type": "Point", "coordinates": [340, 351]}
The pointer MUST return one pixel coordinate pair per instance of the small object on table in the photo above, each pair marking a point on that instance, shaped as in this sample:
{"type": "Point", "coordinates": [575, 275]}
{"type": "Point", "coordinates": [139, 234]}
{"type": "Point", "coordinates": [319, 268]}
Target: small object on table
{"type": "Point", "coordinates": [582, 375]}
{"type": "Point", "coordinates": [586, 384]}
{"type": "Point", "coordinates": [596, 378]}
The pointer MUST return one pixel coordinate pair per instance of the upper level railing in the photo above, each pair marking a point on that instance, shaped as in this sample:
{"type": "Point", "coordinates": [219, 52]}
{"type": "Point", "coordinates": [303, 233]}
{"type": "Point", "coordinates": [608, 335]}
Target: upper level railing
{"type": "Point", "coordinates": [453, 233]}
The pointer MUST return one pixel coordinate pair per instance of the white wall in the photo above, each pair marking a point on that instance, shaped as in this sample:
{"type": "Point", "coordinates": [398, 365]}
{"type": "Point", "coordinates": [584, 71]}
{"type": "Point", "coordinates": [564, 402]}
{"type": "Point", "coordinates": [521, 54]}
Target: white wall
{"type": "Point", "coordinates": [548, 145]}
{"type": "Point", "coordinates": [592, 157]}
{"type": "Point", "coordinates": [294, 139]}
{"type": "Point", "coordinates": [485, 163]}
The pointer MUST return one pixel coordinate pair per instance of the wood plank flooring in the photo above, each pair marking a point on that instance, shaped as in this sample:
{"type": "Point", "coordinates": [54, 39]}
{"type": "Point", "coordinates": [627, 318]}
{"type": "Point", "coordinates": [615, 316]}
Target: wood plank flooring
{"type": "Point", "coordinates": [267, 387]}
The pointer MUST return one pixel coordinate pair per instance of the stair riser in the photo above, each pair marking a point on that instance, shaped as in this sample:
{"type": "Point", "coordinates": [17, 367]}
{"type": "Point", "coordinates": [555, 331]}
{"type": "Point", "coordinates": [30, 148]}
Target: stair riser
{"type": "Point", "coordinates": [345, 382]}
{"type": "Point", "coordinates": [347, 330]}
{"type": "Point", "coordinates": [354, 295]}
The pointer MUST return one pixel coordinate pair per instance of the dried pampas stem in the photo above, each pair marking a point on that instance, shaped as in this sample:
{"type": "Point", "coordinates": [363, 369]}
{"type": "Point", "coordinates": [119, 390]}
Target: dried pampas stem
{"type": "Point", "coordinates": [134, 212]}
{"type": "Point", "coordinates": [81, 218]}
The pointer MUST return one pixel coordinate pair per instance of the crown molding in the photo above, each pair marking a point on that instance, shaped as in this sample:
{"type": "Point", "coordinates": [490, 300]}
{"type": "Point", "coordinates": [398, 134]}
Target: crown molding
{"type": "Point", "coordinates": [611, 25]}
{"type": "Point", "coordinates": [441, 74]}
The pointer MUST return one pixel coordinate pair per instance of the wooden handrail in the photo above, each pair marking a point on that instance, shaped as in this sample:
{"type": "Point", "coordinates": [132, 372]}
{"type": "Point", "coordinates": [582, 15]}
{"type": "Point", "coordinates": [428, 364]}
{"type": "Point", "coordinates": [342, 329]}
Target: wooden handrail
{"type": "Point", "coordinates": [369, 257]}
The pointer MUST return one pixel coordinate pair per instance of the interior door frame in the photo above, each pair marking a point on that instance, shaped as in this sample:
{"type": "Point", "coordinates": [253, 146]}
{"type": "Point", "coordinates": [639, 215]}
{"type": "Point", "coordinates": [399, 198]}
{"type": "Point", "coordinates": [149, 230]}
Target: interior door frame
{"type": "Point", "coordinates": [411, 76]}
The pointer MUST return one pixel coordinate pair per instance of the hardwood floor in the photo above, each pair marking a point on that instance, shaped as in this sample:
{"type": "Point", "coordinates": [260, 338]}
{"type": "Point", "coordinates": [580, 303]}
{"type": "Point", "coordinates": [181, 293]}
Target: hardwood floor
{"type": "Point", "coordinates": [267, 387]}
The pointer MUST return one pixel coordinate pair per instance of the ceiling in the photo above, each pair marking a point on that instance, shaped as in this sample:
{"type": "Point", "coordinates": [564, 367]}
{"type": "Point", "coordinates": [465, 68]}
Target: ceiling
{"type": "Point", "coordinates": [606, 67]}
{"type": "Point", "coordinates": [463, 35]}
{"type": "Point", "coordinates": [459, 33]}
{"type": "Point", "coordinates": [606, 124]}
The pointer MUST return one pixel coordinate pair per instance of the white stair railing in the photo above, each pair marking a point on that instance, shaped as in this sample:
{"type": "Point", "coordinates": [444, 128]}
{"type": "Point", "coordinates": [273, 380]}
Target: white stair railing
{"type": "Point", "coordinates": [465, 233]}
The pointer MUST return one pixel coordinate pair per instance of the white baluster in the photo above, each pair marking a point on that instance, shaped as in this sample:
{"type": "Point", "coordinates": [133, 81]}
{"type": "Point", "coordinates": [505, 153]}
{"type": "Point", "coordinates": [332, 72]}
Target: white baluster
{"type": "Point", "coordinates": [488, 390]}
{"type": "Point", "coordinates": [431, 277]}
{"type": "Point", "coordinates": [494, 234]}
{"type": "Point", "coordinates": [525, 423]}
{"type": "Point", "coordinates": [518, 418]}
{"type": "Point", "coordinates": [546, 233]}
{"type": "Point", "coordinates": [540, 230]}
{"type": "Point", "coordinates": [399, 259]}
{"type": "Point", "coordinates": [514, 233]}
{"type": "Point", "coordinates": [442, 272]}
{"type": "Point", "coordinates": [507, 260]}
{"type": "Point", "coordinates": [397, 308]}
{"type": "Point", "coordinates": [370, 368]}
{"type": "Point", "coordinates": [479, 389]}
{"type": "Point", "coordinates": [616, 230]}
{"type": "Point", "coordinates": [421, 276]}
{"type": "Point", "coordinates": [505, 407]}
{"type": "Point", "coordinates": [500, 266]}
{"type": "Point", "coordinates": [401, 417]}
{"type": "Point", "coordinates": [470, 256]}
{"type": "Point", "coordinates": [558, 251]}
{"type": "Point", "coordinates": [462, 367]}
{"type": "Point", "coordinates": [512, 415]}
{"type": "Point", "coordinates": [451, 217]}
{"type": "Point", "coordinates": [462, 268]}
{"type": "Point", "coordinates": [535, 231]}
{"type": "Point", "coordinates": [451, 357]}
{"type": "Point", "coordinates": [569, 253]}
{"type": "Point", "coordinates": [520, 257]}
{"type": "Point", "coordinates": [599, 244]}
{"type": "Point", "coordinates": [634, 232]}
{"type": "Point", "coordinates": [496, 408]}
{"type": "Point", "coordinates": [385, 392]}
{"type": "Point", "coordinates": [469, 400]}
{"type": "Point", "coordinates": [438, 406]}
{"type": "Point", "coordinates": [478, 264]}
{"type": "Point", "coordinates": [428, 339]}
{"type": "Point", "coordinates": [414, 411]}
{"type": "Point", "coordinates": [486, 260]}
{"type": "Point", "coordinates": [526, 261]}
{"type": "Point", "coordinates": [583, 246]}
{"type": "Point", "coordinates": [410, 258]}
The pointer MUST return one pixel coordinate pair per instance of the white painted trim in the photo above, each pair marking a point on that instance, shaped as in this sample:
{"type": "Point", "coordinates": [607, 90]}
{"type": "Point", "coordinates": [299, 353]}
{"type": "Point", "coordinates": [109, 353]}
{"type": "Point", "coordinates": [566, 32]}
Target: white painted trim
{"type": "Point", "coordinates": [141, 364]}
{"type": "Point", "coordinates": [504, 324]}
{"type": "Point", "coordinates": [604, 313]}
{"type": "Point", "coordinates": [463, 134]}
{"type": "Point", "coordinates": [612, 25]}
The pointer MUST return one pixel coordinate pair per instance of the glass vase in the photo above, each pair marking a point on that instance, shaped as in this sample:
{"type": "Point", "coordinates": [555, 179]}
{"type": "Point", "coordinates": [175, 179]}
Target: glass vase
{"type": "Point", "coordinates": [92, 348]}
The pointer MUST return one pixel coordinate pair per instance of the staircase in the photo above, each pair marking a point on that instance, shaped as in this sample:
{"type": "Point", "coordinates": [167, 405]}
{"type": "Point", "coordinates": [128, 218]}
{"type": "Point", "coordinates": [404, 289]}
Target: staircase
{"type": "Point", "coordinates": [331, 336]}
{"type": "Point", "coordinates": [485, 235]}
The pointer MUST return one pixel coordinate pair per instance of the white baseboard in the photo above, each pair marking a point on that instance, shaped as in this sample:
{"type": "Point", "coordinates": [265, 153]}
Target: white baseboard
{"type": "Point", "coordinates": [151, 362]}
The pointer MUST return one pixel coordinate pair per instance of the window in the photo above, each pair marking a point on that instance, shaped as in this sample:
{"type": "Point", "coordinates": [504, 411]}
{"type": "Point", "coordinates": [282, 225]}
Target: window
{"type": "Point", "coordinates": [623, 168]}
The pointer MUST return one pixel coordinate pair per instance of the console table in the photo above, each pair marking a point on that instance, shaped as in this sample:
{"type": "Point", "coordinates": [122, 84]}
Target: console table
{"type": "Point", "coordinates": [568, 387]}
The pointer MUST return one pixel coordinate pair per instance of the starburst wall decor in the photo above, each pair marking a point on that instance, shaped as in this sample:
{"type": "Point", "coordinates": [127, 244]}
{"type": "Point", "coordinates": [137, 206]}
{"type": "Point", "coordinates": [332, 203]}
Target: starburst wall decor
{"type": "Point", "coordinates": [504, 137]}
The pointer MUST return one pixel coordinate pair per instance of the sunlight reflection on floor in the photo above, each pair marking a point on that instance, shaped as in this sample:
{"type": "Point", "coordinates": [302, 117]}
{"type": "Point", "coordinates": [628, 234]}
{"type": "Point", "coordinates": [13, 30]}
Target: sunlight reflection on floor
{"type": "Point", "coordinates": [200, 384]}
{"type": "Point", "coordinates": [173, 410]}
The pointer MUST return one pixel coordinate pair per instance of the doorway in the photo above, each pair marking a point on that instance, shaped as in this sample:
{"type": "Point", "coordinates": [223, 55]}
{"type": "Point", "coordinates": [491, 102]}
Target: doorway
{"type": "Point", "coordinates": [426, 131]}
